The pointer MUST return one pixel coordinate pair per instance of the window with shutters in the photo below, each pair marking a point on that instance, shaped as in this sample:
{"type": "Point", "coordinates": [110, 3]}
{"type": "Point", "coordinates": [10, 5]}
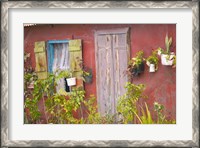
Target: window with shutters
{"type": "Point", "coordinates": [61, 55]}
{"type": "Point", "coordinates": [112, 56]}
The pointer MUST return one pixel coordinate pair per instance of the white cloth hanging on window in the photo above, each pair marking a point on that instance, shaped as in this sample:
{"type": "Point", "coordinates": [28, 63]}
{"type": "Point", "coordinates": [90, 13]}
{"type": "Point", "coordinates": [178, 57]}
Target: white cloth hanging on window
{"type": "Point", "coordinates": [60, 62]}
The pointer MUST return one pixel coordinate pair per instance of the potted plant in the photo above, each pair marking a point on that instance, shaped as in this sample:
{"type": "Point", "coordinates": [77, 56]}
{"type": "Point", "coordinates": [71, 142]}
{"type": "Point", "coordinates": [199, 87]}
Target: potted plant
{"type": "Point", "coordinates": [136, 64]}
{"type": "Point", "coordinates": [152, 62]}
{"type": "Point", "coordinates": [167, 57]}
{"type": "Point", "coordinates": [87, 75]}
{"type": "Point", "coordinates": [86, 71]}
{"type": "Point", "coordinates": [68, 75]}
{"type": "Point", "coordinates": [71, 81]}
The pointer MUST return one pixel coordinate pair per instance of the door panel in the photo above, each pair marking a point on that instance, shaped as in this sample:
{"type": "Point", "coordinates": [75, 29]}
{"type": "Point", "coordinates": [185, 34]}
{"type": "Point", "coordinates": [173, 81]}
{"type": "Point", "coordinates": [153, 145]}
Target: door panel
{"type": "Point", "coordinates": [106, 92]}
{"type": "Point", "coordinates": [120, 64]}
{"type": "Point", "coordinates": [112, 55]}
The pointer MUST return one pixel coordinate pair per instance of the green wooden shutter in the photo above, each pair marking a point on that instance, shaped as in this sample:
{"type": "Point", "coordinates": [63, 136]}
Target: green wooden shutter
{"type": "Point", "coordinates": [75, 51]}
{"type": "Point", "coordinates": [40, 60]}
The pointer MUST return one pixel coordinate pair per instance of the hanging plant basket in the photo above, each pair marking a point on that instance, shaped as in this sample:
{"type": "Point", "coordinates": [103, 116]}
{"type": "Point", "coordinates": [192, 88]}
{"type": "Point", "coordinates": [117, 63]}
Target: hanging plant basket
{"type": "Point", "coordinates": [71, 81]}
{"type": "Point", "coordinates": [88, 79]}
{"type": "Point", "coordinates": [167, 59]}
{"type": "Point", "coordinates": [87, 75]}
{"type": "Point", "coordinates": [152, 68]}
{"type": "Point", "coordinates": [138, 69]}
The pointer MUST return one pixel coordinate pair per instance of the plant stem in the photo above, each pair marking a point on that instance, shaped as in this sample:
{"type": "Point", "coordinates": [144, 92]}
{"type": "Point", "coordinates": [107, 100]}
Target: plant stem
{"type": "Point", "coordinates": [44, 109]}
{"type": "Point", "coordinates": [81, 110]}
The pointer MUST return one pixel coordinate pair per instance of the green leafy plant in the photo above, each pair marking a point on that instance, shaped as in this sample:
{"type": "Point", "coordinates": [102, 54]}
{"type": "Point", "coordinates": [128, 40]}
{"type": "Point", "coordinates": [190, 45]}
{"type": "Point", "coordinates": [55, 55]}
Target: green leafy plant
{"type": "Point", "coordinates": [33, 114]}
{"type": "Point", "coordinates": [126, 104]}
{"type": "Point", "coordinates": [159, 108]}
{"type": "Point", "coordinates": [61, 106]}
{"type": "Point", "coordinates": [153, 59]}
{"type": "Point", "coordinates": [168, 43]}
{"type": "Point", "coordinates": [93, 116]}
{"type": "Point", "coordinates": [136, 65]}
{"type": "Point", "coordinates": [63, 74]}
{"type": "Point", "coordinates": [146, 117]}
{"type": "Point", "coordinates": [86, 71]}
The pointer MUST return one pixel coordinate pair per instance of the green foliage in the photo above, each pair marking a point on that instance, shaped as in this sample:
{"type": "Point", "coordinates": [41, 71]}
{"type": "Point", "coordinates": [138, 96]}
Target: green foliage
{"type": "Point", "coordinates": [137, 60]}
{"type": "Point", "coordinates": [153, 59]}
{"type": "Point", "coordinates": [146, 117]}
{"type": "Point", "coordinates": [136, 65]}
{"type": "Point", "coordinates": [59, 107]}
{"type": "Point", "coordinates": [93, 116]}
{"type": "Point", "coordinates": [63, 74]}
{"type": "Point", "coordinates": [76, 97]}
{"type": "Point", "coordinates": [126, 104]}
{"type": "Point", "coordinates": [159, 108]}
{"type": "Point", "coordinates": [34, 113]}
{"type": "Point", "coordinates": [168, 43]}
{"type": "Point", "coordinates": [86, 71]}
{"type": "Point", "coordinates": [41, 89]}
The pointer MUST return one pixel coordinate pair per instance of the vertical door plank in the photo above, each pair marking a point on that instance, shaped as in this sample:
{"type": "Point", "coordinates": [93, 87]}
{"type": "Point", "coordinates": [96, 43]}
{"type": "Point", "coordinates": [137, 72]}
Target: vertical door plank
{"type": "Point", "coordinates": [105, 74]}
{"type": "Point", "coordinates": [120, 63]}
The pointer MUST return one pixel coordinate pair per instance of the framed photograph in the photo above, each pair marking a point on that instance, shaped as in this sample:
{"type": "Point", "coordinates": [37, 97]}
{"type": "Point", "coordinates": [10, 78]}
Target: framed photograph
{"type": "Point", "coordinates": [102, 74]}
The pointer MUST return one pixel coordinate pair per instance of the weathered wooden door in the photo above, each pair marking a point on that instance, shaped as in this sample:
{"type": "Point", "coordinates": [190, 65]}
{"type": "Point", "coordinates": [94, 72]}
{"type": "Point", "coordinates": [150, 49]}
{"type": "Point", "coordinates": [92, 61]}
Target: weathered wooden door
{"type": "Point", "coordinates": [112, 55]}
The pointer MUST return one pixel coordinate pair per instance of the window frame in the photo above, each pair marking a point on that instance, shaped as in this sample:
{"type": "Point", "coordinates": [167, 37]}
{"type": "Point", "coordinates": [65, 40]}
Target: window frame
{"type": "Point", "coordinates": [50, 52]}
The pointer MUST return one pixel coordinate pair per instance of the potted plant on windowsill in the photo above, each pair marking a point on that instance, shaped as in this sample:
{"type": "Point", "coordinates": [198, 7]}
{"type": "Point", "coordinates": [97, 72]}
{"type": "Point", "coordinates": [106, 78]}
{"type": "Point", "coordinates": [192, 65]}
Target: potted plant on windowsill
{"type": "Point", "coordinates": [136, 64]}
{"type": "Point", "coordinates": [152, 61]}
{"type": "Point", "coordinates": [167, 57]}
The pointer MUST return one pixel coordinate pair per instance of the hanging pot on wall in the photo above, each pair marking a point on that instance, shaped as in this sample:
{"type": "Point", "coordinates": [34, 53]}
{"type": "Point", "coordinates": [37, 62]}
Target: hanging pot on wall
{"type": "Point", "coordinates": [167, 59]}
{"type": "Point", "coordinates": [88, 79]}
{"type": "Point", "coordinates": [138, 69]}
{"type": "Point", "coordinates": [88, 76]}
{"type": "Point", "coordinates": [141, 67]}
{"type": "Point", "coordinates": [71, 81]}
{"type": "Point", "coordinates": [152, 68]}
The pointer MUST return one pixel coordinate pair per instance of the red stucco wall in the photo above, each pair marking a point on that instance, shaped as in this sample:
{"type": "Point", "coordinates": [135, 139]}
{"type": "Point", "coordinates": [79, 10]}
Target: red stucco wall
{"type": "Point", "coordinates": [160, 86]}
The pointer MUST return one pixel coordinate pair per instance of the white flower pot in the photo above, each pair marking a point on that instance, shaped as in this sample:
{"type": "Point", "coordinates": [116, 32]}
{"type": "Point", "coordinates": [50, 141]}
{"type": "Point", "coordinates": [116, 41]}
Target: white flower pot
{"type": "Point", "coordinates": [152, 68]}
{"type": "Point", "coordinates": [165, 60]}
{"type": "Point", "coordinates": [71, 81]}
